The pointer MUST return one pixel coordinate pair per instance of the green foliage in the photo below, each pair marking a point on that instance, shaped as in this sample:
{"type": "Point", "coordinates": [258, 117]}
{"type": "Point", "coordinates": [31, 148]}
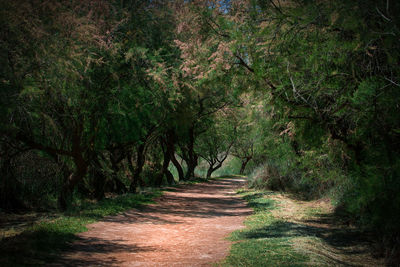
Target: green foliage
{"type": "Point", "coordinates": [332, 86]}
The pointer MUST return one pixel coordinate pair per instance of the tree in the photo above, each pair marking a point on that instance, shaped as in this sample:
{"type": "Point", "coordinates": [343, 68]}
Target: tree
{"type": "Point", "coordinates": [52, 115]}
{"type": "Point", "coordinates": [328, 70]}
{"type": "Point", "coordinates": [215, 144]}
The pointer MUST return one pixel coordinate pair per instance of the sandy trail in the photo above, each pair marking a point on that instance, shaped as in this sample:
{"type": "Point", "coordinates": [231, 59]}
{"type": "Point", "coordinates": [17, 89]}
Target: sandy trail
{"type": "Point", "coordinates": [187, 227]}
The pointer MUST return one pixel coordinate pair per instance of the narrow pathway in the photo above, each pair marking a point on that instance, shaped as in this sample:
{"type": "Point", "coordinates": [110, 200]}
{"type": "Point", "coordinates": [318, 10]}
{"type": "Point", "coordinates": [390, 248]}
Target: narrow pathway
{"type": "Point", "coordinates": [187, 227]}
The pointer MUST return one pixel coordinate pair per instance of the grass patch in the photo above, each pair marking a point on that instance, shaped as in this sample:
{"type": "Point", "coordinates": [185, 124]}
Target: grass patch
{"type": "Point", "coordinates": [259, 244]}
{"type": "Point", "coordinates": [287, 232]}
{"type": "Point", "coordinates": [42, 242]}
{"type": "Point", "coordinates": [313, 212]}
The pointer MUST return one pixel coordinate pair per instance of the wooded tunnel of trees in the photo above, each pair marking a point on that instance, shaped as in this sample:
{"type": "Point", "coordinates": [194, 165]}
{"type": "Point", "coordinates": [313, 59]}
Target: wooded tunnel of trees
{"type": "Point", "coordinates": [107, 97]}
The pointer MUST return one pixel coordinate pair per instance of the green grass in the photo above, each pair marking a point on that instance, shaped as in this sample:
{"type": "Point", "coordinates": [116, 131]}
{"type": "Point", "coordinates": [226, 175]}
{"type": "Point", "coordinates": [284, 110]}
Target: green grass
{"type": "Point", "coordinates": [42, 242]}
{"type": "Point", "coordinates": [259, 244]}
{"type": "Point", "coordinates": [312, 212]}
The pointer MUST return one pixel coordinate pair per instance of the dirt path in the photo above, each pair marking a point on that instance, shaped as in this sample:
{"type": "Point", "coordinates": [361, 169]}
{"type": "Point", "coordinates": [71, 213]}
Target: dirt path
{"type": "Point", "coordinates": [187, 227]}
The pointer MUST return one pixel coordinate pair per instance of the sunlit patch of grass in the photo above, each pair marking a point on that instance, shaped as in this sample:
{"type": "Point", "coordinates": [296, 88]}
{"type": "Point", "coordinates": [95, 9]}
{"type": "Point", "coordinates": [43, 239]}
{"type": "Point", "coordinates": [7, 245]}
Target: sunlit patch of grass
{"type": "Point", "coordinates": [43, 241]}
{"type": "Point", "coordinates": [287, 232]}
{"type": "Point", "coordinates": [312, 212]}
{"type": "Point", "coordinates": [258, 244]}
{"type": "Point", "coordinates": [274, 252]}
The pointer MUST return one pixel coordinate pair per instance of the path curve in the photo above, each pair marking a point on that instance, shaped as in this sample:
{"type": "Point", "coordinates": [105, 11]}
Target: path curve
{"type": "Point", "coordinates": [187, 227]}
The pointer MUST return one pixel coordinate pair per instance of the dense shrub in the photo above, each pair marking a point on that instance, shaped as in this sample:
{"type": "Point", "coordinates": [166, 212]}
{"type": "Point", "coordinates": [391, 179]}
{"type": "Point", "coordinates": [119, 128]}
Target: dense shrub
{"type": "Point", "coordinates": [29, 180]}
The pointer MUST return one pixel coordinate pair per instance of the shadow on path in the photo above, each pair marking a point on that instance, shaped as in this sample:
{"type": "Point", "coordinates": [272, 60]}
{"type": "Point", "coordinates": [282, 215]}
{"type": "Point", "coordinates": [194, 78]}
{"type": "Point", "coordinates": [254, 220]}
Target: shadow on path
{"type": "Point", "coordinates": [97, 246]}
{"type": "Point", "coordinates": [189, 201]}
{"type": "Point", "coordinates": [186, 219]}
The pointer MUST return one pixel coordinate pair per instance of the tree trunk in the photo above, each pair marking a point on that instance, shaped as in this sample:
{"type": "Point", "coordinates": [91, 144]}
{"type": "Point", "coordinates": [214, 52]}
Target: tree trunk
{"type": "Point", "coordinates": [244, 163]}
{"type": "Point", "coordinates": [209, 172]}
{"type": "Point", "coordinates": [212, 169]}
{"type": "Point", "coordinates": [190, 171]}
{"type": "Point", "coordinates": [178, 167]}
{"type": "Point", "coordinates": [116, 185]}
{"type": "Point", "coordinates": [140, 158]}
{"type": "Point", "coordinates": [170, 143]}
{"type": "Point", "coordinates": [170, 177]}
{"type": "Point", "coordinates": [81, 167]}
{"type": "Point", "coordinates": [192, 159]}
{"type": "Point", "coordinates": [99, 184]}
{"type": "Point", "coordinates": [100, 179]}
{"type": "Point", "coordinates": [164, 169]}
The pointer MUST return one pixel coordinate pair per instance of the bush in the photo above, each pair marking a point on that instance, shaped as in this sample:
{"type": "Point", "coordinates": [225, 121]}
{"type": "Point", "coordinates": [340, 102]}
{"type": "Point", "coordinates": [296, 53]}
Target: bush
{"type": "Point", "coordinates": [268, 176]}
{"type": "Point", "coordinates": [29, 180]}
{"type": "Point", "coordinates": [310, 176]}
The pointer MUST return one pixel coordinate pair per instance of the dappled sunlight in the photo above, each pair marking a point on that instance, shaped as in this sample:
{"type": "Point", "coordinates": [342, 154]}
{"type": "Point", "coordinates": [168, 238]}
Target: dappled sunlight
{"type": "Point", "coordinates": [298, 232]}
{"type": "Point", "coordinates": [177, 230]}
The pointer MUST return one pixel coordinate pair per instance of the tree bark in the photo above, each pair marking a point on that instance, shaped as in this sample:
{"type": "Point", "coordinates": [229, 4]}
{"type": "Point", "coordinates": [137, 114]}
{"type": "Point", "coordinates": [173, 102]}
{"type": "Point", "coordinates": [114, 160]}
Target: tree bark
{"type": "Point", "coordinates": [116, 185]}
{"type": "Point", "coordinates": [244, 163]}
{"type": "Point", "coordinates": [170, 143]}
{"type": "Point", "coordinates": [99, 185]}
{"type": "Point", "coordinates": [192, 159]}
{"type": "Point", "coordinates": [170, 177]}
{"type": "Point", "coordinates": [81, 167]}
{"type": "Point", "coordinates": [212, 169]}
{"type": "Point", "coordinates": [140, 158]}
{"type": "Point", "coordinates": [164, 169]}
{"type": "Point", "coordinates": [209, 172]}
{"type": "Point", "coordinates": [190, 171]}
{"type": "Point", "coordinates": [99, 181]}
{"type": "Point", "coordinates": [178, 167]}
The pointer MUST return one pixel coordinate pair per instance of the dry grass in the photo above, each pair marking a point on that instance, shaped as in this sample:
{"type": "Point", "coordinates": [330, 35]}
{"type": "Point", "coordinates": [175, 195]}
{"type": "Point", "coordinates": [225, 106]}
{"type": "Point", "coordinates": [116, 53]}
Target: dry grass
{"type": "Point", "coordinates": [321, 236]}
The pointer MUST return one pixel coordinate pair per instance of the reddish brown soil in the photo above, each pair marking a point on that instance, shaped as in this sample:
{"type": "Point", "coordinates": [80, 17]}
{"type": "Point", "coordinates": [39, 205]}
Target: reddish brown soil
{"type": "Point", "coordinates": [187, 227]}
